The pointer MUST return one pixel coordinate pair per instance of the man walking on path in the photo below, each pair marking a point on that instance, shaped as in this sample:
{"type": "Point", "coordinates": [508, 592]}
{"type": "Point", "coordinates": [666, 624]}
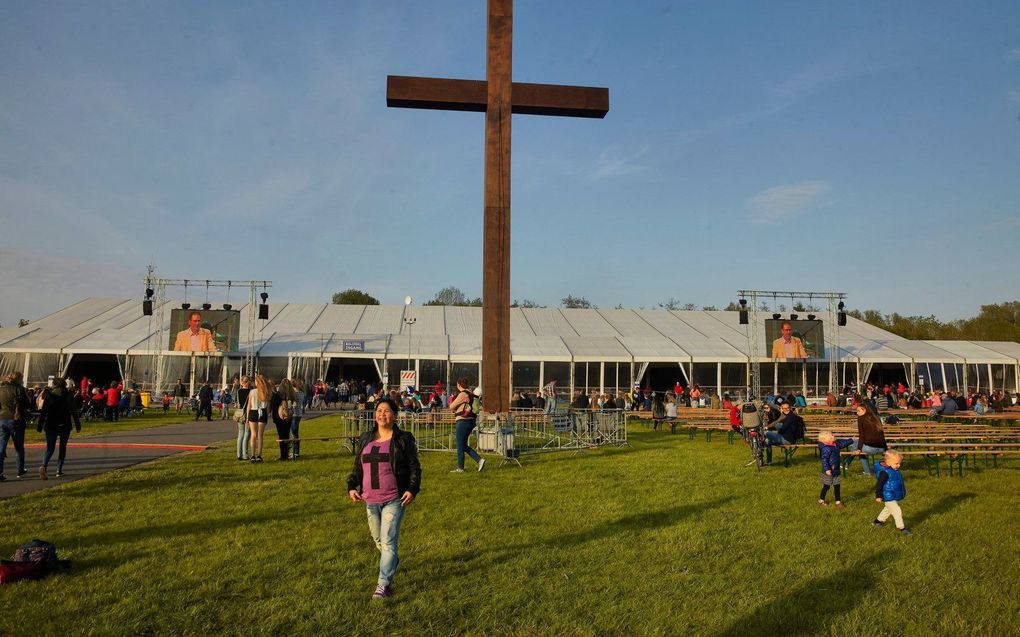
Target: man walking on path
{"type": "Point", "coordinates": [205, 395]}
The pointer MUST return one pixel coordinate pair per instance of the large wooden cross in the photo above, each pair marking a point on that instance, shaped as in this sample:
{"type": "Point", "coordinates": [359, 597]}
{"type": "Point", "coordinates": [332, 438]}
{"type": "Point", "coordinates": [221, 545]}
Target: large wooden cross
{"type": "Point", "coordinates": [498, 96]}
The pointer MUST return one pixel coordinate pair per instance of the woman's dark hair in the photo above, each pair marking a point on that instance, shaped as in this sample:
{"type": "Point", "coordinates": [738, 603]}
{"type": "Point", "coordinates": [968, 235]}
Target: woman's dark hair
{"type": "Point", "coordinates": [464, 382]}
{"type": "Point", "coordinates": [389, 403]}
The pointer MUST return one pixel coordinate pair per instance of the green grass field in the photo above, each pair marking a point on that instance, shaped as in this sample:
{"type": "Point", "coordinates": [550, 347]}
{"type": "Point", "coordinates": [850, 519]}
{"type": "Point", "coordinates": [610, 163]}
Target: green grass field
{"type": "Point", "coordinates": [669, 536]}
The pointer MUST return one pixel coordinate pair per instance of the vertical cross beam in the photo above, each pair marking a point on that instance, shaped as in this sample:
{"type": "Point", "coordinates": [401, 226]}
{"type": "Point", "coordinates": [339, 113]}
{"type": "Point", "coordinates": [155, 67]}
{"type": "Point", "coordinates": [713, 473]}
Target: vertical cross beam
{"type": "Point", "coordinates": [498, 97]}
{"type": "Point", "coordinates": [495, 374]}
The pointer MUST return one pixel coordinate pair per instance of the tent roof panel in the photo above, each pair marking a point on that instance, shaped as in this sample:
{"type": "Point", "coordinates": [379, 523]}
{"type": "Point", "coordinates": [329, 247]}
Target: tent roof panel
{"type": "Point", "coordinates": [293, 318]}
{"type": "Point", "coordinates": [589, 323]}
{"type": "Point", "coordinates": [8, 334]}
{"type": "Point", "coordinates": [282, 344]}
{"type": "Point", "coordinates": [465, 321]}
{"type": "Point", "coordinates": [669, 325]}
{"type": "Point", "coordinates": [972, 352]}
{"type": "Point", "coordinates": [337, 318]}
{"type": "Point", "coordinates": [548, 321]}
{"type": "Point", "coordinates": [1010, 349]}
{"type": "Point", "coordinates": [47, 340]}
{"type": "Point", "coordinates": [628, 323]}
{"type": "Point", "coordinates": [596, 348]}
{"type": "Point", "coordinates": [428, 319]}
{"type": "Point", "coordinates": [106, 341]}
{"type": "Point", "coordinates": [538, 348]}
{"type": "Point", "coordinates": [869, 351]}
{"type": "Point", "coordinates": [653, 349]}
{"type": "Point", "coordinates": [381, 319]}
{"type": "Point", "coordinates": [82, 311]}
{"type": "Point", "coordinates": [429, 346]}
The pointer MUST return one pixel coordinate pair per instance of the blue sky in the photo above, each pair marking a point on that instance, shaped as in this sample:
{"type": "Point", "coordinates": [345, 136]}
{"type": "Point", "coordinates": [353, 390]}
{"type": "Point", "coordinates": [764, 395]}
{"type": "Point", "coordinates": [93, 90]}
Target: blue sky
{"type": "Point", "coordinates": [870, 147]}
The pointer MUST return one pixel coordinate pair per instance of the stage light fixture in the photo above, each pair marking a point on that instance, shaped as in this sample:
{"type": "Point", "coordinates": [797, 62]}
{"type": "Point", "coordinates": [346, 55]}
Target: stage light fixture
{"type": "Point", "coordinates": [841, 319]}
{"type": "Point", "coordinates": [810, 317]}
{"type": "Point", "coordinates": [841, 305]}
{"type": "Point", "coordinates": [264, 296]}
{"type": "Point", "coordinates": [185, 306]}
{"type": "Point", "coordinates": [147, 307]}
{"type": "Point", "coordinates": [743, 317]}
{"type": "Point", "coordinates": [227, 306]}
{"type": "Point", "coordinates": [207, 306]}
{"type": "Point", "coordinates": [743, 302]}
{"type": "Point", "coordinates": [263, 311]}
{"type": "Point", "coordinates": [149, 292]}
{"type": "Point", "coordinates": [777, 316]}
{"type": "Point", "coordinates": [793, 317]}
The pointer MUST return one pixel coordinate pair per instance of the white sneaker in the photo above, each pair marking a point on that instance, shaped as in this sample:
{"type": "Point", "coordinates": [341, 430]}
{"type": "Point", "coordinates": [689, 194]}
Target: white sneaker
{"type": "Point", "coordinates": [481, 464]}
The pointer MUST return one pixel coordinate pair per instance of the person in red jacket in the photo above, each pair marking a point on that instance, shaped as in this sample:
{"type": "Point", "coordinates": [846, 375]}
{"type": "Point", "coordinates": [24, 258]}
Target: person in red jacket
{"type": "Point", "coordinates": [113, 402]}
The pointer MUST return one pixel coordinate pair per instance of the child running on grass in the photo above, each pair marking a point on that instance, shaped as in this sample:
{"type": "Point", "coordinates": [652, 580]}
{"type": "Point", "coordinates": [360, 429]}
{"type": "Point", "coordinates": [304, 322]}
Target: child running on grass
{"type": "Point", "coordinates": [828, 450]}
{"type": "Point", "coordinates": [890, 489]}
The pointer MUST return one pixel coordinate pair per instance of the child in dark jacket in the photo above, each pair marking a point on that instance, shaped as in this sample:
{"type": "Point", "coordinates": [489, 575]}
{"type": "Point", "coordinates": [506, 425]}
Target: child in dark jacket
{"type": "Point", "coordinates": [828, 450]}
{"type": "Point", "coordinates": [890, 489]}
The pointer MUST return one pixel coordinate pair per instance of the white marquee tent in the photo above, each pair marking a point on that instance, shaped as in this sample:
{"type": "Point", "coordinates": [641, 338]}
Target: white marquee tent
{"type": "Point", "coordinates": [578, 348]}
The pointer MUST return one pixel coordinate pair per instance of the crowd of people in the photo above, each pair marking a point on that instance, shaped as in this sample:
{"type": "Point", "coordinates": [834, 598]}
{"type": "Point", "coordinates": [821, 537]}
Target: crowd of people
{"type": "Point", "coordinates": [887, 397]}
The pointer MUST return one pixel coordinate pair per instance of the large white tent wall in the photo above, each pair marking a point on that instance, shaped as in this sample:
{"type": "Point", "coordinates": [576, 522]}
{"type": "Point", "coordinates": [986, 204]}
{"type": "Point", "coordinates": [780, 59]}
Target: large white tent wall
{"type": "Point", "coordinates": [577, 348]}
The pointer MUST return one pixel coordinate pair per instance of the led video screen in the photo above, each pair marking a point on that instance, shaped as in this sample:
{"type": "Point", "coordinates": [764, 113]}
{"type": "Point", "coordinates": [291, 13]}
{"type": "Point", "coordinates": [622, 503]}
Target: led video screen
{"type": "Point", "coordinates": [204, 330]}
{"type": "Point", "coordinates": [794, 340]}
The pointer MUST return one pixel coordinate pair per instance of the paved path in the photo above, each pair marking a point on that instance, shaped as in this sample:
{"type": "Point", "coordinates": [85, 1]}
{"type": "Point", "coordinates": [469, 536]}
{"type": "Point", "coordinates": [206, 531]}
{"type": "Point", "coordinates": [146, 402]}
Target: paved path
{"type": "Point", "coordinates": [92, 455]}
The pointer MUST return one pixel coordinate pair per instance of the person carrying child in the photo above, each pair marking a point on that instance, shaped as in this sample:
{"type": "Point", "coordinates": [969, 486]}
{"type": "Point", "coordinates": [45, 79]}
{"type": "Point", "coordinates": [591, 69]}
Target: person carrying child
{"type": "Point", "coordinates": [890, 489]}
{"type": "Point", "coordinates": [828, 451]}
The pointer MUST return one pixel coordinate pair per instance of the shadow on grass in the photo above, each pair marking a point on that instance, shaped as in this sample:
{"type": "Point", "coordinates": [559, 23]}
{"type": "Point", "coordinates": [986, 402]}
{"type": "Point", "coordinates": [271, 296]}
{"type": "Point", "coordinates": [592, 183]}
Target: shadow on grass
{"type": "Point", "coordinates": [812, 607]}
{"type": "Point", "coordinates": [131, 483]}
{"type": "Point", "coordinates": [493, 554]}
{"type": "Point", "coordinates": [202, 526]}
{"type": "Point", "coordinates": [944, 505]}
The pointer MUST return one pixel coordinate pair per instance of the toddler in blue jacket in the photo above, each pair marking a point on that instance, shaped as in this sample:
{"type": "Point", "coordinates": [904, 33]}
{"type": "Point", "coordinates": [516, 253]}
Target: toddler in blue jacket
{"type": "Point", "coordinates": [890, 489]}
{"type": "Point", "coordinates": [828, 450]}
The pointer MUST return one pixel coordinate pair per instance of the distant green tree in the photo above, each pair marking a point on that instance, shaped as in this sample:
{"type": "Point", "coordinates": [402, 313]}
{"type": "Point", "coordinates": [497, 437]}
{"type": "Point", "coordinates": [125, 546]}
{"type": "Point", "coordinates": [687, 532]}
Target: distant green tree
{"type": "Point", "coordinates": [525, 303]}
{"type": "Point", "coordinates": [995, 322]}
{"type": "Point", "coordinates": [453, 296]}
{"type": "Point", "coordinates": [576, 302]}
{"type": "Point", "coordinates": [354, 297]}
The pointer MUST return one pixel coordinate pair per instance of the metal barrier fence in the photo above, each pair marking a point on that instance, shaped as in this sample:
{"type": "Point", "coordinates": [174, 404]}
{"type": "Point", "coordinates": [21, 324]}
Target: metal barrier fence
{"type": "Point", "coordinates": [524, 431]}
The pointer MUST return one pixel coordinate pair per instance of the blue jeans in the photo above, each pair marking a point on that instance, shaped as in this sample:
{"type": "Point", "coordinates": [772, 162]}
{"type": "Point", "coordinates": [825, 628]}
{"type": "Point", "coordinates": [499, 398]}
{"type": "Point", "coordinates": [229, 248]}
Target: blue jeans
{"type": "Point", "coordinates": [12, 430]}
{"type": "Point", "coordinates": [243, 437]}
{"type": "Point", "coordinates": [384, 525]}
{"type": "Point", "coordinates": [868, 451]}
{"type": "Point", "coordinates": [550, 405]}
{"type": "Point", "coordinates": [464, 428]}
{"type": "Point", "coordinates": [296, 445]}
{"type": "Point", "coordinates": [773, 438]}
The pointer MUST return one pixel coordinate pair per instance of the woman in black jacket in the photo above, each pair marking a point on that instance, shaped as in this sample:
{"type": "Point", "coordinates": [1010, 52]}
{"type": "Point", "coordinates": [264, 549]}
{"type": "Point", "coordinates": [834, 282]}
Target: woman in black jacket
{"type": "Point", "coordinates": [386, 477]}
{"type": "Point", "coordinates": [57, 414]}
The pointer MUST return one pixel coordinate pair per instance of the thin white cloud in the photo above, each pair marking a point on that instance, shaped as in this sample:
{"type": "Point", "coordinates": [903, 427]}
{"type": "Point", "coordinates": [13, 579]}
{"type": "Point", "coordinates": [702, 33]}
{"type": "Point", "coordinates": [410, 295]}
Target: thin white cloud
{"type": "Point", "coordinates": [613, 163]}
{"type": "Point", "coordinates": [1014, 55]}
{"type": "Point", "coordinates": [780, 203]}
{"type": "Point", "coordinates": [264, 198]}
{"type": "Point", "coordinates": [37, 283]}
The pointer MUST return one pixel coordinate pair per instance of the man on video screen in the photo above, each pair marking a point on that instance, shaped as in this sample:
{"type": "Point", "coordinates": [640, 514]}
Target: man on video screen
{"type": "Point", "coordinates": [195, 338]}
{"type": "Point", "coordinates": [788, 345]}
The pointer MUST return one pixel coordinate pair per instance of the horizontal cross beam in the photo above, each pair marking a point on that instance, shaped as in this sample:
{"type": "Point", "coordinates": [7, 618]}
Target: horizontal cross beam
{"type": "Point", "coordinates": [470, 95]}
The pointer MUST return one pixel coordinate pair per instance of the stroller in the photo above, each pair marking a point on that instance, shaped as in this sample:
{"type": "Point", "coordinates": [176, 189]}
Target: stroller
{"type": "Point", "coordinates": [753, 433]}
